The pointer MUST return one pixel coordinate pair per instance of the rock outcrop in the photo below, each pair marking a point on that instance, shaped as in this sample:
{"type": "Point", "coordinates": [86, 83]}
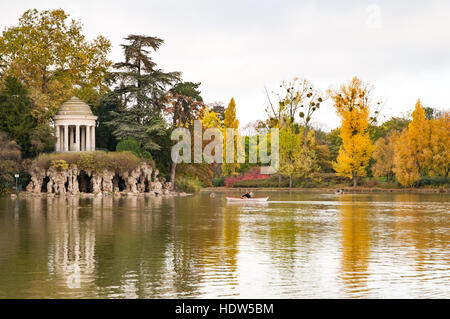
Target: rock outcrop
{"type": "Point", "coordinates": [73, 181]}
{"type": "Point", "coordinates": [37, 179]}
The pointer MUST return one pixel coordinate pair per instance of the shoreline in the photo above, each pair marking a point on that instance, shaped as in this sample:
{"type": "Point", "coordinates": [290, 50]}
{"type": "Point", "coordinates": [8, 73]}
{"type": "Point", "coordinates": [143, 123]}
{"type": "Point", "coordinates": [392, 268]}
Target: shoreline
{"type": "Point", "coordinates": [25, 194]}
{"type": "Point", "coordinates": [348, 190]}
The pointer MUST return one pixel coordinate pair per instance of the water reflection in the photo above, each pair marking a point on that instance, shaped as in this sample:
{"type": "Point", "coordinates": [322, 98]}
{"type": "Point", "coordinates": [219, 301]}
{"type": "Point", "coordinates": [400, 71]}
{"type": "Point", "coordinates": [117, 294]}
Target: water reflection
{"type": "Point", "coordinates": [298, 245]}
{"type": "Point", "coordinates": [355, 232]}
{"type": "Point", "coordinates": [71, 242]}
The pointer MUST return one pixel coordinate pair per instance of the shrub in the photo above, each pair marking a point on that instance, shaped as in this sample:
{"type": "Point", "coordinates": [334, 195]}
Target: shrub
{"type": "Point", "coordinates": [97, 161]}
{"type": "Point", "coordinates": [202, 172]}
{"type": "Point", "coordinates": [218, 182]}
{"type": "Point", "coordinates": [9, 158]}
{"type": "Point", "coordinates": [86, 161]}
{"type": "Point", "coordinates": [4, 189]}
{"type": "Point", "coordinates": [133, 146]}
{"type": "Point", "coordinates": [433, 181]}
{"type": "Point", "coordinates": [60, 165]}
{"type": "Point", "coordinates": [370, 182]}
{"type": "Point", "coordinates": [253, 173]}
{"type": "Point", "coordinates": [44, 161]}
{"type": "Point", "coordinates": [268, 182]}
{"type": "Point", "coordinates": [190, 185]}
{"type": "Point", "coordinates": [315, 180]}
{"type": "Point", "coordinates": [124, 161]}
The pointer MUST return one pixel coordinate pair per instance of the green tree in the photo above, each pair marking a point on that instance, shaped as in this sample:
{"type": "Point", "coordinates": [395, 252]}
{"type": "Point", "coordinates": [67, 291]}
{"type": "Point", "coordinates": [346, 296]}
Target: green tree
{"type": "Point", "coordinates": [17, 121]}
{"type": "Point", "coordinates": [51, 55]}
{"type": "Point", "coordinates": [140, 85]}
{"type": "Point", "coordinates": [334, 142]}
{"type": "Point", "coordinates": [15, 113]}
{"type": "Point", "coordinates": [321, 150]}
{"type": "Point", "coordinates": [294, 159]}
{"type": "Point", "coordinates": [42, 139]}
{"type": "Point", "coordinates": [219, 108]}
{"type": "Point", "coordinates": [301, 97]}
{"type": "Point", "coordinates": [393, 125]}
{"type": "Point", "coordinates": [289, 152]}
{"type": "Point", "coordinates": [431, 113]}
{"type": "Point", "coordinates": [9, 159]}
{"type": "Point", "coordinates": [142, 91]}
{"type": "Point", "coordinates": [186, 105]}
{"type": "Point", "coordinates": [131, 145]}
{"type": "Point", "coordinates": [104, 137]}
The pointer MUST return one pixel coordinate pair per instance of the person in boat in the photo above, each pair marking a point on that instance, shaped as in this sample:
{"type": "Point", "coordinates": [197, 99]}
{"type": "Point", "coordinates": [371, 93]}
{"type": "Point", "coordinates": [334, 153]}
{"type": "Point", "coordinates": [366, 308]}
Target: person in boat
{"type": "Point", "coordinates": [247, 195]}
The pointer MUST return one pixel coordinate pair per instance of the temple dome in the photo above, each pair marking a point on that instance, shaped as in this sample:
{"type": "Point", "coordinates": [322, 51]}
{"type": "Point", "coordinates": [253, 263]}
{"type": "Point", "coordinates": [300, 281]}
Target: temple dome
{"type": "Point", "coordinates": [74, 127]}
{"type": "Point", "coordinates": [74, 106]}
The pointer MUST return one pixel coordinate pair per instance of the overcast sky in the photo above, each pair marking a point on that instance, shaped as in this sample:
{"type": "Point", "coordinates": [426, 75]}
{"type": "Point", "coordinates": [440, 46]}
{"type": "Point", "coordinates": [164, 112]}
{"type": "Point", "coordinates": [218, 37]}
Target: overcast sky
{"type": "Point", "coordinates": [235, 48]}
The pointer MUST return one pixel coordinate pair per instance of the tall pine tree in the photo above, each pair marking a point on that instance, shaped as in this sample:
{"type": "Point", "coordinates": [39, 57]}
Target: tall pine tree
{"type": "Point", "coordinates": [142, 90]}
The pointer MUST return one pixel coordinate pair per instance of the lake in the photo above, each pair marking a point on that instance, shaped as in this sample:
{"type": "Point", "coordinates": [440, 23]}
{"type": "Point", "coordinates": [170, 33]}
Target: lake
{"type": "Point", "coordinates": [298, 245]}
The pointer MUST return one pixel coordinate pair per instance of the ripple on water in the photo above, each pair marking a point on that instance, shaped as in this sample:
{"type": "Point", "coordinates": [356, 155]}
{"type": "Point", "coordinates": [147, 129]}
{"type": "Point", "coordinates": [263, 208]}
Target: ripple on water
{"type": "Point", "coordinates": [295, 246]}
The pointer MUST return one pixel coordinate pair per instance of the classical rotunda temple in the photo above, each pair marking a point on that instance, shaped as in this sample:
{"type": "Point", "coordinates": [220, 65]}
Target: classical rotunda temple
{"type": "Point", "coordinates": [75, 127]}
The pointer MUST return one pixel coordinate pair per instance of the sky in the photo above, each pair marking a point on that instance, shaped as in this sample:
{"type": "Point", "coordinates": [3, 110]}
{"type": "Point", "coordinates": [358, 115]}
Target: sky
{"type": "Point", "coordinates": [236, 48]}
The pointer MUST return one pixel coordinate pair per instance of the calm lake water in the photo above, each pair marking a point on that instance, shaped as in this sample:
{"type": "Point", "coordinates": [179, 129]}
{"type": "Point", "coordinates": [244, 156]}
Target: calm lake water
{"type": "Point", "coordinates": [295, 246]}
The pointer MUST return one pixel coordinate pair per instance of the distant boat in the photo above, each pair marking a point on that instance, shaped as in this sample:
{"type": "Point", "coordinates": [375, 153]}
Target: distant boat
{"type": "Point", "coordinates": [245, 199]}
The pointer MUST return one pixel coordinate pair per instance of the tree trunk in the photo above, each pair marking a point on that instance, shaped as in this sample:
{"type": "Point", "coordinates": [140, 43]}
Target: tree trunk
{"type": "Point", "coordinates": [355, 180]}
{"type": "Point", "coordinates": [290, 181]}
{"type": "Point", "coordinates": [173, 169]}
{"type": "Point", "coordinates": [172, 174]}
{"type": "Point", "coordinates": [305, 141]}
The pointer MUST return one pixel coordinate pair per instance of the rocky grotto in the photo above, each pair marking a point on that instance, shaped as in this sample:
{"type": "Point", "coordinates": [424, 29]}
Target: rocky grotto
{"type": "Point", "coordinates": [142, 180]}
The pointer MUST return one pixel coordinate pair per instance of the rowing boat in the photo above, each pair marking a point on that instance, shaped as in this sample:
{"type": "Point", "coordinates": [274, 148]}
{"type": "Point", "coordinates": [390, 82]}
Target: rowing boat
{"type": "Point", "coordinates": [245, 199]}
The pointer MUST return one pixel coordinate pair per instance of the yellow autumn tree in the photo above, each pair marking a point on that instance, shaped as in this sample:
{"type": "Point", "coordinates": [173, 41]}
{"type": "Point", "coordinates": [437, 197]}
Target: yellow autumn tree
{"type": "Point", "coordinates": [410, 150]}
{"type": "Point", "coordinates": [383, 155]}
{"type": "Point", "coordinates": [211, 119]}
{"type": "Point", "coordinates": [423, 148]}
{"type": "Point", "coordinates": [439, 159]}
{"type": "Point", "coordinates": [48, 51]}
{"type": "Point", "coordinates": [352, 105]}
{"type": "Point", "coordinates": [230, 121]}
{"type": "Point", "coordinates": [419, 137]}
{"type": "Point", "coordinates": [405, 165]}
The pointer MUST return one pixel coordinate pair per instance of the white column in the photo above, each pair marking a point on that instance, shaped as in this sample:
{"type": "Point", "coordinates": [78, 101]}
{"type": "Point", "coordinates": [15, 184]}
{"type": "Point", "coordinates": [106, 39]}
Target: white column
{"type": "Point", "coordinates": [77, 136]}
{"type": "Point", "coordinates": [93, 138]}
{"type": "Point", "coordinates": [58, 141]}
{"type": "Point", "coordinates": [83, 138]}
{"type": "Point", "coordinates": [66, 138]}
{"type": "Point", "coordinates": [71, 148]}
{"type": "Point", "coordinates": [61, 138]}
{"type": "Point", "coordinates": [88, 138]}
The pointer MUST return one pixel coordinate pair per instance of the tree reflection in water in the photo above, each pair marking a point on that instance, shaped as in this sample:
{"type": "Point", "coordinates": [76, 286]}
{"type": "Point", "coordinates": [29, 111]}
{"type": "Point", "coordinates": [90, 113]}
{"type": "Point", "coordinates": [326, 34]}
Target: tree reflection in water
{"type": "Point", "coordinates": [303, 245]}
{"type": "Point", "coordinates": [355, 232]}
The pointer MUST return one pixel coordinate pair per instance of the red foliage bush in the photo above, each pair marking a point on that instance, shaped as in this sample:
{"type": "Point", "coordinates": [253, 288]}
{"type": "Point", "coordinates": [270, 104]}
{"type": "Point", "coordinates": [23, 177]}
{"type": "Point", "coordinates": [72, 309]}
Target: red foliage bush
{"type": "Point", "coordinates": [252, 174]}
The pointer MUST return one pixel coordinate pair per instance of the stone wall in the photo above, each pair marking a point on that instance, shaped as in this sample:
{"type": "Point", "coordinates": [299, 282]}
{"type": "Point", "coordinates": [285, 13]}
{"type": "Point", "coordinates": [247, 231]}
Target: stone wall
{"type": "Point", "coordinates": [143, 179]}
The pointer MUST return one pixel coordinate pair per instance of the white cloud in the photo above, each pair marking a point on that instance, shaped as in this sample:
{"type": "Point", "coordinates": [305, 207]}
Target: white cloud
{"type": "Point", "coordinates": [236, 47]}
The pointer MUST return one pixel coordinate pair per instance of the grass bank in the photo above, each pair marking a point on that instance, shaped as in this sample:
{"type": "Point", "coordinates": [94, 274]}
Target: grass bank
{"type": "Point", "coordinates": [331, 182]}
{"type": "Point", "coordinates": [329, 190]}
